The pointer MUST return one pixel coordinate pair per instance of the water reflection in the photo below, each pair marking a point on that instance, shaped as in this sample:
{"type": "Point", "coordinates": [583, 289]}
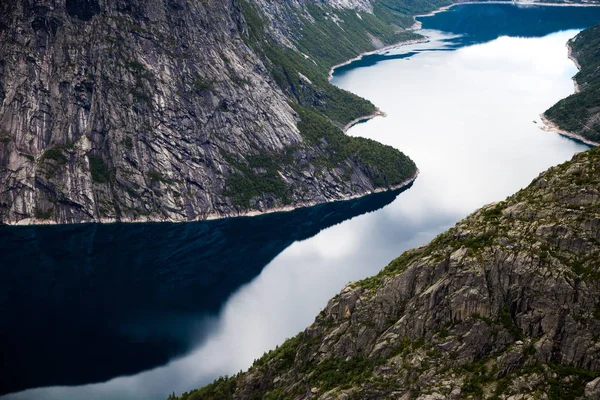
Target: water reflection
{"type": "Point", "coordinates": [85, 303]}
{"type": "Point", "coordinates": [478, 23]}
{"type": "Point", "coordinates": [466, 116]}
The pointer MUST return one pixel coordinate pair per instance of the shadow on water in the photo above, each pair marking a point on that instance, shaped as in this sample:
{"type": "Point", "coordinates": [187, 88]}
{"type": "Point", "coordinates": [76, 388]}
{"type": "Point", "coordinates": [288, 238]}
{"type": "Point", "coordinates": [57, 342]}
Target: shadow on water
{"type": "Point", "coordinates": [85, 303]}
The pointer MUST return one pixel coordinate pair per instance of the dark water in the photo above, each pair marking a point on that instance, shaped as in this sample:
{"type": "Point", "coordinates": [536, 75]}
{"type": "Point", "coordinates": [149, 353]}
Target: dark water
{"type": "Point", "coordinates": [140, 311]}
{"type": "Point", "coordinates": [86, 303]}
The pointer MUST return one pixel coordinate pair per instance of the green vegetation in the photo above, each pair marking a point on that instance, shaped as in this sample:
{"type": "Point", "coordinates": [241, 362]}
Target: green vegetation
{"type": "Point", "coordinates": [55, 154]}
{"type": "Point", "coordinates": [259, 174]}
{"type": "Point", "coordinates": [201, 85]}
{"type": "Point", "coordinates": [286, 65]}
{"type": "Point", "coordinates": [322, 107]}
{"type": "Point", "coordinates": [156, 176]}
{"type": "Point", "coordinates": [27, 156]}
{"type": "Point", "coordinates": [256, 176]}
{"type": "Point", "coordinates": [389, 167]}
{"type": "Point", "coordinates": [53, 160]}
{"type": "Point", "coordinates": [221, 389]}
{"type": "Point", "coordinates": [128, 142]}
{"type": "Point", "coordinates": [334, 37]}
{"type": "Point", "coordinates": [341, 373]}
{"type": "Point", "coordinates": [509, 324]}
{"type": "Point", "coordinates": [284, 355]}
{"type": "Point", "coordinates": [576, 112]}
{"type": "Point", "coordinates": [560, 382]}
{"type": "Point", "coordinates": [44, 214]}
{"type": "Point", "coordinates": [99, 170]}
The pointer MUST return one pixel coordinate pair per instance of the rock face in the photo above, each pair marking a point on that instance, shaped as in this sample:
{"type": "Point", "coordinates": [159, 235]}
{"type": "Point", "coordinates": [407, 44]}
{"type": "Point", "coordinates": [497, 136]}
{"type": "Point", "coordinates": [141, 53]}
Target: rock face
{"type": "Point", "coordinates": [116, 110]}
{"type": "Point", "coordinates": [505, 305]}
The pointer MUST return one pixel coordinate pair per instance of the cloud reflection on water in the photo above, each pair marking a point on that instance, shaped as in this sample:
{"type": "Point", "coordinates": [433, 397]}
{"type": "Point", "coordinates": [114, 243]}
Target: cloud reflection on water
{"type": "Point", "coordinates": [465, 117]}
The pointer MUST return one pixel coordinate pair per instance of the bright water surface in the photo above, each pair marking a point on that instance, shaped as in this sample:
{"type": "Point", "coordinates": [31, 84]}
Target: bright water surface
{"type": "Point", "coordinates": [149, 309]}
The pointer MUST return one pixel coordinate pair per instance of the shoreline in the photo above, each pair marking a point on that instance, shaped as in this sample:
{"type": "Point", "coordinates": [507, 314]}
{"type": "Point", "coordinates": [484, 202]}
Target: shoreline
{"type": "Point", "coordinates": [364, 118]}
{"type": "Point", "coordinates": [418, 25]}
{"type": "Point", "coordinates": [384, 48]}
{"type": "Point", "coordinates": [214, 216]}
{"type": "Point", "coordinates": [574, 59]}
{"type": "Point", "coordinates": [516, 3]}
{"type": "Point", "coordinates": [378, 112]}
{"type": "Point", "coordinates": [548, 126]}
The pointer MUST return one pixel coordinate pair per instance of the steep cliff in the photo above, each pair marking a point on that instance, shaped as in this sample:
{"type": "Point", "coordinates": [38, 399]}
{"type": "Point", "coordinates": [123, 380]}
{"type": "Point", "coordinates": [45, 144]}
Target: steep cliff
{"type": "Point", "coordinates": [579, 114]}
{"type": "Point", "coordinates": [506, 303]}
{"type": "Point", "coordinates": [183, 110]}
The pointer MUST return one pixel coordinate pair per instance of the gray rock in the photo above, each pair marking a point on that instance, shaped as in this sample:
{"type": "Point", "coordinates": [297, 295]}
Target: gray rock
{"type": "Point", "coordinates": [469, 316]}
{"type": "Point", "coordinates": [144, 110]}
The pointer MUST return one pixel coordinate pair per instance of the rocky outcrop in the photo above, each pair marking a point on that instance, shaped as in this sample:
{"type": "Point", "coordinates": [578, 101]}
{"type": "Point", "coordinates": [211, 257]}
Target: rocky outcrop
{"type": "Point", "coordinates": [504, 305]}
{"type": "Point", "coordinates": [155, 110]}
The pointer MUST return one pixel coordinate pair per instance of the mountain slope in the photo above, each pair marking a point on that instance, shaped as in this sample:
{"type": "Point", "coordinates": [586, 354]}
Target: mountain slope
{"type": "Point", "coordinates": [506, 303]}
{"type": "Point", "coordinates": [183, 110]}
{"type": "Point", "coordinates": [579, 114]}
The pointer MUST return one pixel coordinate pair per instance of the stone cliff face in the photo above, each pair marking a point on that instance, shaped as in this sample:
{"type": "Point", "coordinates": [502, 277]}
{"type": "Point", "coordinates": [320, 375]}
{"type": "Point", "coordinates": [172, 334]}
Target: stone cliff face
{"type": "Point", "coordinates": [117, 110]}
{"type": "Point", "coordinates": [505, 305]}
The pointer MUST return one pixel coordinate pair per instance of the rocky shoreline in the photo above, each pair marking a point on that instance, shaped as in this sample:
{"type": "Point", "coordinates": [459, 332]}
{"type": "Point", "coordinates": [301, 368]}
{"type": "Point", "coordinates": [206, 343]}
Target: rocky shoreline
{"type": "Point", "coordinates": [377, 113]}
{"type": "Point", "coordinates": [574, 59]}
{"type": "Point", "coordinates": [252, 213]}
{"type": "Point", "coordinates": [549, 126]}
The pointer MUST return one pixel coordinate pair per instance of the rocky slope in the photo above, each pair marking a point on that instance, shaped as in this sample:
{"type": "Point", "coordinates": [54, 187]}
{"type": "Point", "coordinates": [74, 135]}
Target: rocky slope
{"type": "Point", "coordinates": [505, 305]}
{"type": "Point", "coordinates": [579, 114]}
{"type": "Point", "coordinates": [183, 110]}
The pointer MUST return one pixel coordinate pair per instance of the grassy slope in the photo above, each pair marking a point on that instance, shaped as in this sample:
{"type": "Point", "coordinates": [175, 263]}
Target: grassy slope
{"type": "Point", "coordinates": [579, 112]}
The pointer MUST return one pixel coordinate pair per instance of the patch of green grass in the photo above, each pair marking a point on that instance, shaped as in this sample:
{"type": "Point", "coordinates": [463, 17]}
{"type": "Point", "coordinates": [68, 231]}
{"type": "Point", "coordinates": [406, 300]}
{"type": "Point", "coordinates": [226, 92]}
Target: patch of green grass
{"type": "Point", "coordinates": [56, 154]}
{"type": "Point", "coordinates": [202, 85]}
{"type": "Point", "coordinates": [27, 156]}
{"type": "Point", "coordinates": [99, 170]}
{"type": "Point", "coordinates": [570, 382]}
{"type": "Point", "coordinates": [44, 214]}
{"type": "Point", "coordinates": [53, 160]}
{"type": "Point", "coordinates": [509, 324]}
{"type": "Point", "coordinates": [156, 176]}
{"type": "Point", "coordinates": [128, 142]}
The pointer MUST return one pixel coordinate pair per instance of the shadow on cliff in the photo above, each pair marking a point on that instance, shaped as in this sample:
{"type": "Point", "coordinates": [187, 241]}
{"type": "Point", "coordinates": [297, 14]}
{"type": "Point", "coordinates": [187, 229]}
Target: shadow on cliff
{"type": "Point", "coordinates": [86, 303]}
